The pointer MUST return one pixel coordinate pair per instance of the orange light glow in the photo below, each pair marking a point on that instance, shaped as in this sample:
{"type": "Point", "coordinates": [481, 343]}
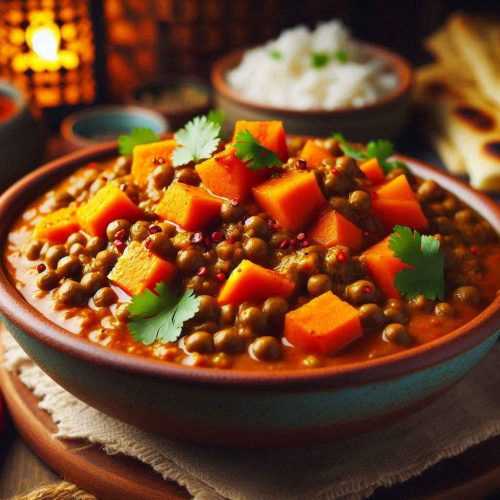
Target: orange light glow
{"type": "Point", "coordinates": [44, 41]}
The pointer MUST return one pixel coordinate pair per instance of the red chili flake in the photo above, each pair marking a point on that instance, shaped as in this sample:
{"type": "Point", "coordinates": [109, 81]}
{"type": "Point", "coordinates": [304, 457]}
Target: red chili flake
{"type": "Point", "coordinates": [367, 289]}
{"type": "Point", "coordinates": [341, 256]}
{"type": "Point", "coordinates": [196, 238]}
{"type": "Point", "coordinates": [121, 235]}
{"type": "Point", "coordinates": [284, 244]}
{"type": "Point", "coordinates": [148, 243]}
{"type": "Point", "coordinates": [293, 242]}
{"type": "Point", "coordinates": [230, 239]}
{"type": "Point", "coordinates": [92, 164]}
{"type": "Point", "coordinates": [334, 170]}
{"type": "Point", "coordinates": [41, 268]}
{"type": "Point", "coordinates": [244, 218]}
{"type": "Point", "coordinates": [217, 236]}
{"type": "Point", "coordinates": [234, 202]}
{"type": "Point", "coordinates": [202, 271]}
{"type": "Point", "coordinates": [123, 187]}
{"type": "Point", "coordinates": [159, 160]}
{"type": "Point", "coordinates": [271, 223]}
{"type": "Point", "coordinates": [220, 277]}
{"type": "Point", "coordinates": [301, 236]}
{"type": "Point", "coordinates": [305, 243]}
{"type": "Point", "coordinates": [134, 198]}
{"type": "Point", "coordinates": [473, 250]}
{"type": "Point", "coordinates": [104, 178]}
{"type": "Point", "coordinates": [374, 194]}
{"type": "Point", "coordinates": [120, 245]}
{"type": "Point", "coordinates": [301, 164]}
{"type": "Point", "coordinates": [367, 233]}
{"type": "Point", "coordinates": [153, 229]}
{"type": "Point", "coordinates": [207, 241]}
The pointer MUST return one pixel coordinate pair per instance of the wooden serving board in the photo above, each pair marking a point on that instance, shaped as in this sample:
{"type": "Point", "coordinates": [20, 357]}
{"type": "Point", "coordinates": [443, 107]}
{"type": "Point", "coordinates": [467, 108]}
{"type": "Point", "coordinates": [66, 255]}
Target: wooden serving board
{"type": "Point", "coordinates": [474, 474]}
{"type": "Point", "coordinates": [109, 477]}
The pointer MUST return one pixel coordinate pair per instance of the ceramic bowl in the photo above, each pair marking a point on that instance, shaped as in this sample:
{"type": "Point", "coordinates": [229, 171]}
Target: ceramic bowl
{"type": "Point", "coordinates": [21, 138]}
{"type": "Point", "coordinates": [383, 119]}
{"type": "Point", "coordinates": [104, 123]}
{"type": "Point", "coordinates": [178, 99]}
{"type": "Point", "coordinates": [242, 408]}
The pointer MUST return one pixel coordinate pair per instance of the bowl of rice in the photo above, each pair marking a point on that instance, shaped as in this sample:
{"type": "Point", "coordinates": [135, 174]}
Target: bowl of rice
{"type": "Point", "coordinates": [317, 82]}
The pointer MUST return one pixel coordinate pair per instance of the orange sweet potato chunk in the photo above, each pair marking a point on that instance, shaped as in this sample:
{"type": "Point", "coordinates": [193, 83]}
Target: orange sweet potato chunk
{"type": "Point", "coordinates": [107, 205]}
{"type": "Point", "coordinates": [144, 156]}
{"type": "Point", "coordinates": [324, 325]}
{"type": "Point", "coordinates": [249, 281]}
{"type": "Point", "coordinates": [57, 226]}
{"type": "Point", "coordinates": [332, 228]}
{"type": "Point", "coordinates": [138, 269]}
{"type": "Point", "coordinates": [292, 199]}
{"type": "Point", "coordinates": [190, 207]}
{"type": "Point", "coordinates": [227, 176]}
{"type": "Point", "coordinates": [382, 266]}
{"type": "Point", "coordinates": [373, 171]}
{"type": "Point", "coordinates": [395, 203]}
{"type": "Point", "coordinates": [315, 155]}
{"type": "Point", "coordinates": [270, 134]}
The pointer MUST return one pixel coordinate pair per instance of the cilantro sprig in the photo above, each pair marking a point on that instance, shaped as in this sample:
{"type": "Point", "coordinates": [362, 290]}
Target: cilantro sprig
{"type": "Point", "coordinates": [253, 153]}
{"type": "Point", "coordinates": [137, 136]}
{"type": "Point", "coordinates": [197, 140]}
{"type": "Point", "coordinates": [380, 149]}
{"type": "Point", "coordinates": [426, 276]}
{"type": "Point", "coordinates": [160, 316]}
{"type": "Point", "coordinates": [275, 54]}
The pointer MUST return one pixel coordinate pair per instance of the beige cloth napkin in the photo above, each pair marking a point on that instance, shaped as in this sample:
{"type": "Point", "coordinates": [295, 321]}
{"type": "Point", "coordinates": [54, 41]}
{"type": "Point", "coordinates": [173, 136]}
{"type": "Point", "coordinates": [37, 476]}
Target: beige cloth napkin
{"type": "Point", "coordinates": [353, 468]}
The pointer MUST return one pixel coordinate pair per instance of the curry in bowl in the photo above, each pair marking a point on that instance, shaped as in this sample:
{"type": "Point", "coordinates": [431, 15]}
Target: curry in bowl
{"type": "Point", "coordinates": [255, 254]}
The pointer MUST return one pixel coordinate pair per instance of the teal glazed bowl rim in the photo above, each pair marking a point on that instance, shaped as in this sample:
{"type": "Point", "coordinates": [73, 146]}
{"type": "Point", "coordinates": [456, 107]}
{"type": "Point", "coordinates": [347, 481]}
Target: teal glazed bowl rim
{"type": "Point", "coordinates": [399, 64]}
{"type": "Point", "coordinates": [19, 312]}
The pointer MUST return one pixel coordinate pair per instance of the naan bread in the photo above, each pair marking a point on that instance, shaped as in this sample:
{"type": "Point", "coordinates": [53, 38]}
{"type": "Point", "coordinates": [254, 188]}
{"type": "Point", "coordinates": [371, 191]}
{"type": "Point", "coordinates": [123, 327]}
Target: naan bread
{"type": "Point", "coordinates": [461, 119]}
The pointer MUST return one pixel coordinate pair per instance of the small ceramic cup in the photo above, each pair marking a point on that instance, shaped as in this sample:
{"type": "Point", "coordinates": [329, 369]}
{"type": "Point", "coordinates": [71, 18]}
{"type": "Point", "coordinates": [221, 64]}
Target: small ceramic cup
{"type": "Point", "coordinates": [21, 138]}
{"type": "Point", "coordinates": [104, 123]}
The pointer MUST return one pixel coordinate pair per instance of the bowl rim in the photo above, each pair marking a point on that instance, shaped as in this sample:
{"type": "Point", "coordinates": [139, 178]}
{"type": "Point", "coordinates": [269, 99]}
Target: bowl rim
{"type": "Point", "coordinates": [18, 311]}
{"type": "Point", "coordinates": [401, 66]}
{"type": "Point", "coordinates": [18, 97]}
{"type": "Point", "coordinates": [69, 123]}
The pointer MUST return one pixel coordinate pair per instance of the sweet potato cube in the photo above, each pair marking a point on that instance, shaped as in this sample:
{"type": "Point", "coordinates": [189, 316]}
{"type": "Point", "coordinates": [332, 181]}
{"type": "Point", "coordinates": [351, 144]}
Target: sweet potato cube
{"type": "Point", "coordinates": [145, 156]}
{"type": "Point", "coordinates": [333, 228]}
{"type": "Point", "coordinates": [270, 134]}
{"type": "Point", "coordinates": [315, 155]}
{"type": "Point", "coordinates": [57, 226]}
{"type": "Point", "coordinates": [107, 205]}
{"type": "Point", "coordinates": [373, 171]}
{"type": "Point", "coordinates": [138, 269]}
{"type": "Point", "coordinates": [190, 207]}
{"type": "Point", "coordinates": [226, 175]}
{"type": "Point", "coordinates": [382, 266]}
{"type": "Point", "coordinates": [292, 199]}
{"type": "Point", "coordinates": [249, 281]}
{"type": "Point", "coordinates": [324, 325]}
{"type": "Point", "coordinates": [395, 203]}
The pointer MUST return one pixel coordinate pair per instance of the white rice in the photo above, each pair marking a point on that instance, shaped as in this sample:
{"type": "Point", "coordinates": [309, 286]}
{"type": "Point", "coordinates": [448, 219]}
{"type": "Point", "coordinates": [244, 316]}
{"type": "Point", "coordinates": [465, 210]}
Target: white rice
{"type": "Point", "coordinates": [289, 80]}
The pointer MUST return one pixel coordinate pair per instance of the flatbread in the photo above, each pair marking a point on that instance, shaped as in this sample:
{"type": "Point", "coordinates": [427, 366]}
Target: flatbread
{"type": "Point", "coordinates": [461, 119]}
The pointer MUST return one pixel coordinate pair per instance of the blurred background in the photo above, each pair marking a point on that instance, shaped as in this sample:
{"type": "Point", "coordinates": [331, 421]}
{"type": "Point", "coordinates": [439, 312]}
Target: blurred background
{"type": "Point", "coordinates": [65, 55]}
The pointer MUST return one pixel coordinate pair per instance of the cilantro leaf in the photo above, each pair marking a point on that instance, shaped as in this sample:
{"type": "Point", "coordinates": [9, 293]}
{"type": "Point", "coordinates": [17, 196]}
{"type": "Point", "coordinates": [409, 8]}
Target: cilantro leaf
{"type": "Point", "coordinates": [426, 276]}
{"type": "Point", "coordinates": [253, 153]}
{"type": "Point", "coordinates": [348, 150]}
{"type": "Point", "coordinates": [380, 149]}
{"type": "Point", "coordinates": [340, 55]}
{"type": "Point", "coordinates": [217, 116]}
{"type": "Point", "coordinates": [319, 59]}
{"type": "Point", "coordinates": [137, 136]}
{"type": "Point", "coordinates": [160, 316]}
{"type": "Point", "coordinates": [197, 141]}
{"type": "Point", "coordinates": [275, 54]}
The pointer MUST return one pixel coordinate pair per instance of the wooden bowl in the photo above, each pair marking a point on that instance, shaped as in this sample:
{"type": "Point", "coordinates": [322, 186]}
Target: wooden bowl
{"type": "Point", "coordinates": [383, 119]}
{"type": "Point", "coordinates": [241, 408]}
